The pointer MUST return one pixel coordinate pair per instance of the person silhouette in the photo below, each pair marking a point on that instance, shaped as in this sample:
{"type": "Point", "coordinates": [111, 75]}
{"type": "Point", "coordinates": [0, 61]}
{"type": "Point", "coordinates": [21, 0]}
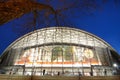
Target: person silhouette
{"type": "Point", "coordinates": [105, 72]}
{"type": "Point", "coordinates": [44, 72]}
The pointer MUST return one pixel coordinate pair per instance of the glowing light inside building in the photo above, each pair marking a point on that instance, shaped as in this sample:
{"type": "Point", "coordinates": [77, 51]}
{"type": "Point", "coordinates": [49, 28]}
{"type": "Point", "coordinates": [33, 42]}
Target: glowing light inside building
{"type": "Point", "coordinates": [57, 49]}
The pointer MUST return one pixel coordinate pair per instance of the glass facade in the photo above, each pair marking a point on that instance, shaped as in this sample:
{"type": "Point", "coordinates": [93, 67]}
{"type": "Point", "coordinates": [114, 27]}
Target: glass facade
{"type": "Point", "coordinates": [57, 56]}
{"type": "Point", "coordinates": [57, 50]}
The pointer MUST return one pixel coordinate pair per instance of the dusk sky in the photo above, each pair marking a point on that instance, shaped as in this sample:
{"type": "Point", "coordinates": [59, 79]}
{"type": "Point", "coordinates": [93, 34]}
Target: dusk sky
{"type": "Point", "coordinates": [104, 23]}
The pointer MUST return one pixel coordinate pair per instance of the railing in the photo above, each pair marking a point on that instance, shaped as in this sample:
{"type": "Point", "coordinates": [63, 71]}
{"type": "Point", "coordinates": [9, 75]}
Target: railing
{"type": "Point", "coordinates": [17, 77]}
{"type": "Point", "coordinates": [14, 77]}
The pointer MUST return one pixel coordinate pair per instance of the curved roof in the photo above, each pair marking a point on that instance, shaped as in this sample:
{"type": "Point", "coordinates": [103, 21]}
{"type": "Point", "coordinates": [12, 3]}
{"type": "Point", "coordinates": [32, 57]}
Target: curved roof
{"type": "Point", "coordinates": [58, 35]}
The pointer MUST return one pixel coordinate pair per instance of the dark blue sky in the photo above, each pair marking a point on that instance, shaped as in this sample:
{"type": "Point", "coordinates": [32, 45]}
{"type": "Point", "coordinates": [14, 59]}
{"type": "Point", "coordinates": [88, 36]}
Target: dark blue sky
{"type": "Point", "coordinates": [105, 23]}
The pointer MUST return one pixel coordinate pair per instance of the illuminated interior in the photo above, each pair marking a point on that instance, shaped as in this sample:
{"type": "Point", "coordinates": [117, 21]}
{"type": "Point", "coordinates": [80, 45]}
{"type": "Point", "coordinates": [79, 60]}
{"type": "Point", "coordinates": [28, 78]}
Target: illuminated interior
{"type": "Point", "coordinates": [57, 49]}
{"type": "Point", "coordinates": [58, 56]}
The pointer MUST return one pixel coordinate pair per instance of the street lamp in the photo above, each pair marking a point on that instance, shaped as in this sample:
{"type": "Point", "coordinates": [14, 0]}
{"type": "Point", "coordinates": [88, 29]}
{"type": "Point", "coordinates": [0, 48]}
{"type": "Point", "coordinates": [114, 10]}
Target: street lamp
{"type": "Point", "coordinates": [115, 66]}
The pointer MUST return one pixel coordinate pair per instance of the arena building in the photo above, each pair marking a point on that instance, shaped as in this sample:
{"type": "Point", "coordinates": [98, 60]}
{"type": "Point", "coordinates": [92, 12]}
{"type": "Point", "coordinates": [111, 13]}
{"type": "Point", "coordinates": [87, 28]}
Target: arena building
{"type": "Point", "coordinates": [59, 51]}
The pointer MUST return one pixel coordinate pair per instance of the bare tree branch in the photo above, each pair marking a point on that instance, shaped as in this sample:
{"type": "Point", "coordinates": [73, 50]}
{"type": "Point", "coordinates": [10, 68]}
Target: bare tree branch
{"type": "Point", "coordinates": [46, 12]}
{"type": "Point", "coordinates": [14, 9]}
